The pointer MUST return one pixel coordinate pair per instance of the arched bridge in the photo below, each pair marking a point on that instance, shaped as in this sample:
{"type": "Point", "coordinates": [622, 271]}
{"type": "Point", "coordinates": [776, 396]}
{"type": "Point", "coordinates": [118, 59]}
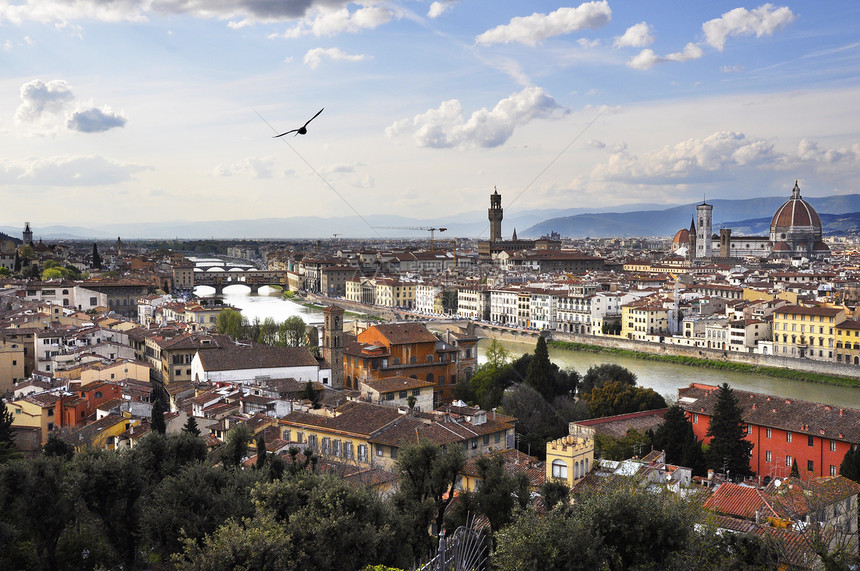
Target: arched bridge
{"type": "Point", "coordinates": [253, 279]}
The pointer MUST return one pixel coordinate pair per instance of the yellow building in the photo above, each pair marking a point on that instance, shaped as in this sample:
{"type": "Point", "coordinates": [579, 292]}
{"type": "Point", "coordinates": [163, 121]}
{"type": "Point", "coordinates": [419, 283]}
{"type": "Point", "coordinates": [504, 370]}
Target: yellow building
{"type": "Point", "coordinates": [11, 363]}
{"type": "Point", "coordinates": [118, 371]}
{"type": "Point", "coordinates": [102, 433]}
{"type": "Point", "coordinates": [570, 458]}
{"type": "Point", "coordinates": [40, 412]}
{"type": "Point", "coordinates": [806, 332]}
{"type": "Point", "coordinates": [848, 342]}
{"type": "Point", "coordinates": [394, 293]}
{"type": "Point", "coordinates": [642, 319]}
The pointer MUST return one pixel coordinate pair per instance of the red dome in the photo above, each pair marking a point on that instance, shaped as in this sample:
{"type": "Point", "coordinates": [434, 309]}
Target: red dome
{"type": "Point", "coordinates": [682, 236]}
{"type": "Point", "coordinates": [795, 212]}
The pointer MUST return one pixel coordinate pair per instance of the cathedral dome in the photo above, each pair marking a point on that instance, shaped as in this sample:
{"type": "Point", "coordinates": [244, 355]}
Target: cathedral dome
{"type": "Point", "coordinates": [681, 238]}
{"type": "Point", "coordinates": [795, 212]}
{"type": "Point", "coordinates": [795, 229]}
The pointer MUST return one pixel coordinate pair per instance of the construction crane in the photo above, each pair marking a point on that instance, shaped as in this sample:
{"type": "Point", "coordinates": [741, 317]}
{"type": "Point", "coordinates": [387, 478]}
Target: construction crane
{"type": "Point", "coordinates": [421, 228]}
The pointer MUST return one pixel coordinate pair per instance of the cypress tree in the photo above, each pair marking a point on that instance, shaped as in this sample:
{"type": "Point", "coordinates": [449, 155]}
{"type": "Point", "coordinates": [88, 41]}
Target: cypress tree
{"type": "Point", "coordinates": [539, 374]}
{"type": "Point", "coordinates": [7, 444]}
{"type": "Point", "coordinates": [261, 451]}
{"type": "Point", "coordinates": [728, 450]}
{"type": "Point", "coordinates": [97, 259]}
{"type": "Point", "coordinates": [191, 426]}
{"type": "Point", "coordinates": [795, 472]}
{"type": "Point", "coordinates": [157, 419]}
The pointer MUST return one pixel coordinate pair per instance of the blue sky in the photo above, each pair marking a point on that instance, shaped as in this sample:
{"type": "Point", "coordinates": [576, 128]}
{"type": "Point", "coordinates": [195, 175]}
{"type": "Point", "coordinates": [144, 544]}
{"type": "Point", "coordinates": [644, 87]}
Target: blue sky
{"type": "Point", "coordinates": [159, 110]}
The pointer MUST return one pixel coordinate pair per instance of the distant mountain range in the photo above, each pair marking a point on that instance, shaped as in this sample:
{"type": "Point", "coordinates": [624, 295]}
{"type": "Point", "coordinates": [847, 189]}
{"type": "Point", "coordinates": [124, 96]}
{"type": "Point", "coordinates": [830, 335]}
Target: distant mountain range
{"type": "Point", "coordinates": [838, 214]}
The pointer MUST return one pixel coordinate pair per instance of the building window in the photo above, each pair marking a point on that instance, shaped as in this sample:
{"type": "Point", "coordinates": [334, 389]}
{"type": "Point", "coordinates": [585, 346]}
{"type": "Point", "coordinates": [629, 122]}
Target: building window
{"type": "Point", "coordinates": [347, 450]}
{"type": "Point", "coordinates": [378, 450]}
{"type": "Point", "coordinates": [788, 436]}
{"type": "Point", "coordinates": [559, 469]}
{"type": "Point", "coordinates": [695, 419]}
{"type": "Point", "coordinates": [402, 394]}
{"type": "Point", "coordinates": [768, 432]}
{"type": "Point", "coordinates": [312, 441]}
{"type": "Point", "coordinates": [788, 461]}
{"type": "Point", "coordinates": [767, 456]}
{"type": "Point", "coordinates": [833, 446]}
{"type": "Point", "coordinates": [832, 470]}
{"type": "Point", "coordinates": [810, 465]}
{"type": "Point", "coordinates": [362, 453]}
{"type": "Point", "coordinates": [811, 440]}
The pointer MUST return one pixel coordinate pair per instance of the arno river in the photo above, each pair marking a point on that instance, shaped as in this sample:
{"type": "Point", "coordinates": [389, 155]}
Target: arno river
{"type": "Point", "coordinates": [665, 378]}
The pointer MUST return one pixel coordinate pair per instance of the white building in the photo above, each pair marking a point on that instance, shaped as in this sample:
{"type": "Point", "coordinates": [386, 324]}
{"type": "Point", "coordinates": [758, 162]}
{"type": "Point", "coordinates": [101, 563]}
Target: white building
{"type": "Point", "coordinates": [242, 364]}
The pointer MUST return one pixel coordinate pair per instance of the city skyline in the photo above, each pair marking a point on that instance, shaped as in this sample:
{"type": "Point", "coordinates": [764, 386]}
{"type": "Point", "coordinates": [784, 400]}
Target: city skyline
{"type": "Point", "coordinates": [156, 111]}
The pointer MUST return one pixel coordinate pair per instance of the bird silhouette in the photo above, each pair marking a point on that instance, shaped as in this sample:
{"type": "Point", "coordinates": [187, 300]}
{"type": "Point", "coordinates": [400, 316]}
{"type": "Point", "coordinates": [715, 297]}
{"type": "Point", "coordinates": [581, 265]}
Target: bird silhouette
{"type": "Point", "coordinates": [303, 130]}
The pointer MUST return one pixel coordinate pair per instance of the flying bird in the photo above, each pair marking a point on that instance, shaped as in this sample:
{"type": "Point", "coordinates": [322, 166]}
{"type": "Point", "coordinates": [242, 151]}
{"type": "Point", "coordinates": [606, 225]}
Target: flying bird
{"type": "Point", "coordinates": [303, 130]}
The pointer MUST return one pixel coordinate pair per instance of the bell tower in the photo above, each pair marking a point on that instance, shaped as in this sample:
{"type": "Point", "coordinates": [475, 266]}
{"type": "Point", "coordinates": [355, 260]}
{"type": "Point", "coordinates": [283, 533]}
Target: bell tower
{"type": "Point", "coordinates": [332, 343]}
{"type": "Point", "coordinates": [495, 214]}
{"type": "Point", "coordinates": [704, 235]}
{"type": "Point", "coordinates": [27, 235]}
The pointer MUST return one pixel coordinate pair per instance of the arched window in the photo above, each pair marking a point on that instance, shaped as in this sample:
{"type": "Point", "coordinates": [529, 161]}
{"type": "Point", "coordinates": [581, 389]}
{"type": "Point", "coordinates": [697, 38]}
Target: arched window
{"type": "Point", "coordinates": [586, 465]}
{"type": "Point", "coordinates": [429, 358]}
{"type": "Point", "coordinates": [429, 377]}
{"type": "Point", "coordinates": [559, 469]}
{"type": "Point", "coordinates": [395, 360]}
{"type": "Point", "coordinates": [576, 470]}
{"type": "Point", "coordinates": [413, 359]}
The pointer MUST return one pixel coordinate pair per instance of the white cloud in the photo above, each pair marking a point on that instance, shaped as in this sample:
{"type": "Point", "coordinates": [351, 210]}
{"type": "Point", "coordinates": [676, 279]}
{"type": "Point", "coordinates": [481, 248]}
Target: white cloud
{"type": "Point", "coordinates": [95, 120]}
{"type": "Point", "coordinates": [40, 97]}
{"type": "Point", "coordinates": [314, 57]}
{"type": "Point", "coordinates": [446, 127]}
{"type": "Point", "coordinates": [67, 171]}
{"type": "Point", "coordinates": [809, 151]}
{"type": "Point", "coordinates": [597, 144]}
{"type": "Point", "coordinates": [530, 30]}
{"type": "Point", "coordinates": [646, 59]}
{"type": "Point", "coordinates": [258, 168]}
{"type": "Point", "coordinates": [737, 68]}
{"type": "Point", "coordinates": [636, 36]}
{"type": "Point", "coordinates": [693, 160]}
{"type": "Point", "coordinates": [762, 21]}
{"type": "Point", "coordinates": [241, 12]}
{"type": "Point", "coordinates": [586, 43]}
{"type": "Point", "coordinates": [439, 8]}
{"type": "Point", "coordinates": [326, 21]}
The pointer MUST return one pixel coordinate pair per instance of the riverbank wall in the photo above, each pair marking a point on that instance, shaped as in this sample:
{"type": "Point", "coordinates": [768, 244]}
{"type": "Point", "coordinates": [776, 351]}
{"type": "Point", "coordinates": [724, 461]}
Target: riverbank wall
{"type": "Point", "coordinates": [804, 365]}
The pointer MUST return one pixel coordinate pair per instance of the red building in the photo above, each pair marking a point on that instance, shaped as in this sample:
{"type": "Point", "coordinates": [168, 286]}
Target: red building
{"type": "Point", "coordinates": [782, 430]}
{"type": "Point", "coordinates": [81, 404]}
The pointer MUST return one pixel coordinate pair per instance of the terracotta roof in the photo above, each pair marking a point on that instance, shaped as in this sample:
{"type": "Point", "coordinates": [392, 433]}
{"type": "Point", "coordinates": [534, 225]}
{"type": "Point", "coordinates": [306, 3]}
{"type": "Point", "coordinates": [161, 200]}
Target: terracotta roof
{"type": "Point", "coordinates": [403, 333]}
{"type": "Point", "coordinates": [739, 501]}
{"type": "Point", "coordinates": [353, 417]}
{"type": "Point", "coordinates": [802, 417]}
{"type": "Point", "coordinates": [238, 357]}
{"type": "Point", "coordinates": [390, 384]}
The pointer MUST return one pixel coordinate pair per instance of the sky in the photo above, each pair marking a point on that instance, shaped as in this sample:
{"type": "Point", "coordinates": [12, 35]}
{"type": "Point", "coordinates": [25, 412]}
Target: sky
{"type": "Point", "coordinates": [159, 110]}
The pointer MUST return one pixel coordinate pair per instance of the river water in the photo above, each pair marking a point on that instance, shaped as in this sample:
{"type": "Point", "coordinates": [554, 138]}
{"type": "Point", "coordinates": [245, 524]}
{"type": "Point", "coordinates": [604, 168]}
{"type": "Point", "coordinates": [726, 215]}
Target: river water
{"type": "Point", "coordinates": [665, 378]}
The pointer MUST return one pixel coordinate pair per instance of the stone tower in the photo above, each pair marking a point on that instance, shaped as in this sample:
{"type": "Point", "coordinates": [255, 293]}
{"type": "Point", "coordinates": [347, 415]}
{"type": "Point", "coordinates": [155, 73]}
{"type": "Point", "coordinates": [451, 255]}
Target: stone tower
{"type": "Point", "coordinates": [332, 343]}
{"type": "Point", "coordinates": [725, 242]}
{"type": "Point", "coordinates": [705, 230]}
{"type": "Point", "coordinates": [495, 215]}
{"type": "Point", "coordinates": [27, 234]}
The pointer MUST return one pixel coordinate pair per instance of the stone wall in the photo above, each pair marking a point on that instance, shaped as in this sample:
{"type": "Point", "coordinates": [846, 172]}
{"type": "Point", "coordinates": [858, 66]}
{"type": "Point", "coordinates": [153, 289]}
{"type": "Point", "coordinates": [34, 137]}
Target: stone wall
{"type": "Point", "coordinates": [807, 365]}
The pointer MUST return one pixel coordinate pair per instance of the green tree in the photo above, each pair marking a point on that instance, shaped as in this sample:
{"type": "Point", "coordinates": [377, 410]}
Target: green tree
{"type": "Point", "coordinates": [7, 433]}
{"type": "Point", "coordinates": [850, 467]}
{"type": "Point", "coordinates": [268, 332]}
{"type": "Point", "coordinates": [599, 375]}
{"type": "Point", "coordinates": [157, 417]}
{"type": "Point", "coordinates": [5, 272]}
{"type": "Point", "coordinates": [677, 439]}
{"type": "Point", "coordinates": [311, 394]}
{"type": "Point", "coordinates": [554, 492]}
{"type": "Point", "coordinates": [633, 443]}
{"type": "Point", "coordinates": [614, 397]}
{"type": "Point", "coordinates": [537, 421]}
{"type": "Point", "coordinates": [193, 502]}
{"type": "Point", "coordinates": [795, 471]}
{"type": "Point", "coordinates": [191, 426]}
{"type": "Point", "coordinates": [428, 473]}
{"type": "Point", "coordinates": [230, 322]}
{"type": "Point", "coordinates": [292, 332]}
{"type": "Point", "coordinates": [539, 374]}
{"type": "Point", "coordinates": [500, 492]}
{"type": "Point", "coordinates": [235, 447]}
{"type": "Point", "coordinates": [52, 274]}
{"type": "Point", "coordinates": [261, 451]}
{"type": "Point", "coordinates": [97, 259]}
{"type": "Point", "coordinates": [56, 446]}
{"type": "Point", "coordinates": [728, 449]}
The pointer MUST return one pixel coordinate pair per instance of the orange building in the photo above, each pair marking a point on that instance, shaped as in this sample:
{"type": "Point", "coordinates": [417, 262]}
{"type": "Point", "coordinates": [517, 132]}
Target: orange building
{"type": "Point", "coordinates": [782, 430]}
{"type": "Point", "coordinates": [401, 349]}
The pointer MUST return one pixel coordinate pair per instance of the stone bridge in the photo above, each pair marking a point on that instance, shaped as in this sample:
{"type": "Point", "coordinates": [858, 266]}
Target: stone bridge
{"type": "Point", "coordinates": [252, 279]}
